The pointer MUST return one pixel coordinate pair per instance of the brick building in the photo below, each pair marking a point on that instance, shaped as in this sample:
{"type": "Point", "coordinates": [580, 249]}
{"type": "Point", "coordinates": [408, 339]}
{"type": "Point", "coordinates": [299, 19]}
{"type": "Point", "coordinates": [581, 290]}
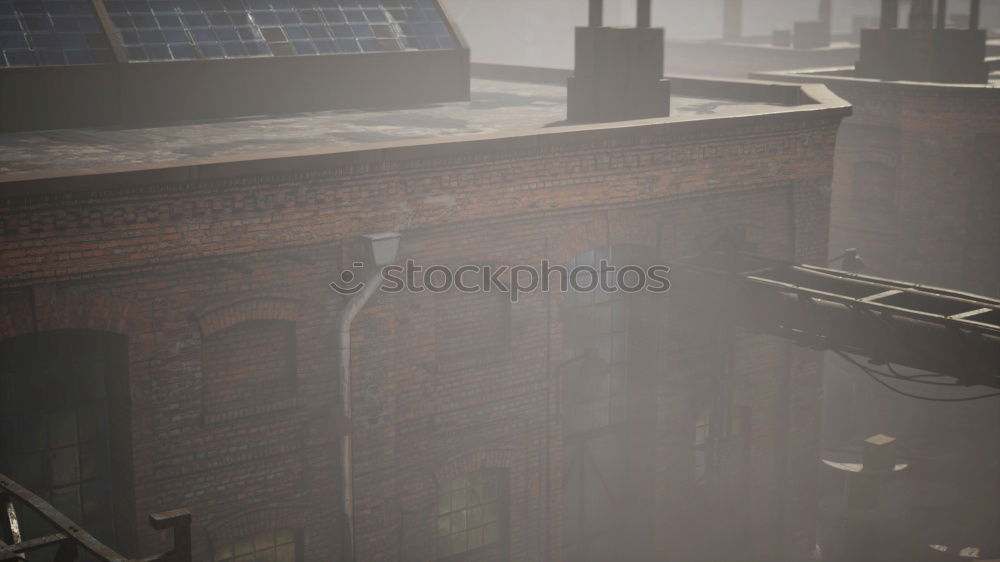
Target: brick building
{"type": "Point", "coordinates": [915, 183]}
{"type": "Point", "coordinates": [173, 282]}
{"type": "Point", "coordinates": [917, 191]}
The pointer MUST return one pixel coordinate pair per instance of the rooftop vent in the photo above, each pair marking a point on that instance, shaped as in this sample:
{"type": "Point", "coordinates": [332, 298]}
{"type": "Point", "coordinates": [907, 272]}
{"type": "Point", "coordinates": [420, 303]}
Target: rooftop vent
{"type": "Point", "coordinates": [816, 34]}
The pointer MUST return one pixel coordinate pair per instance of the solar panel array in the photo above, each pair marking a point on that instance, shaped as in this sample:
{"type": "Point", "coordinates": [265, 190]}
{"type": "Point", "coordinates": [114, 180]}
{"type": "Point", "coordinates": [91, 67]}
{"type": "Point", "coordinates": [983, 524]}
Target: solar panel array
{"type": "Point", "coordinates": [165, 30]}
{"type": "Point", "coordinates": [50, 33]}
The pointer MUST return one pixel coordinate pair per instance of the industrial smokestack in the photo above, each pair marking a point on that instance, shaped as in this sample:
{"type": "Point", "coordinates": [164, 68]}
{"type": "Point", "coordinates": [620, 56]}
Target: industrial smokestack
{"type": "Point", "coordinates": [732, 20]}
{"type": "Point", "coordinates": [890, 14]}
{"type": "Point", "coordinates": [942, 14]}
{"type": "Point", "coordinates": [826, 12]}
{"type": "Point", "coordinates": [921, 14]}
{"type": "Point", "coordinates": [644, 14]}
{"type": "Point", "coordinates": [596, 13]}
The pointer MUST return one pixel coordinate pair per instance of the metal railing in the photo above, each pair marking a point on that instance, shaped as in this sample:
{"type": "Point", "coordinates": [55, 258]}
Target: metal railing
{"type": "Point", "coordinates": [69, 540]}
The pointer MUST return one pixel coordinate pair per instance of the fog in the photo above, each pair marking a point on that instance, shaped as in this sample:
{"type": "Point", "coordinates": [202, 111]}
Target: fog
{"type": "Point", "coordinates": [221, 337]}
{"type": "Point", "coordinates": [540, 32]}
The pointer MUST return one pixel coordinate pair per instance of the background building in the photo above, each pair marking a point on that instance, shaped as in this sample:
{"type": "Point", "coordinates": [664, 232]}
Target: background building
{"type": "Point", "coordinates": [179, 275]}
{"type": "Point", "coordinates": [917, 191]}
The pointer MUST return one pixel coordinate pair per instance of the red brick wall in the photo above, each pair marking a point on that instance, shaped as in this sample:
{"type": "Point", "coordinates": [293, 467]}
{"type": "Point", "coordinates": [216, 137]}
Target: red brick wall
{"type": "Point", "coordinates": [940, 143]}
{"type": "Point", "coordinates": [178, 259]}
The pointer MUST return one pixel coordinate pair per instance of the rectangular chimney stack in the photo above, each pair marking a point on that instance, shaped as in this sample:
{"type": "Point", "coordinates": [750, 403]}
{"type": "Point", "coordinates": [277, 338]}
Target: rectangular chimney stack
{"type": "Point", "coordinates": [925, 51]}
{"type": "Point", "coordinates": [921, 14]}
{"type": "Point", "coordinates": [619, 71]}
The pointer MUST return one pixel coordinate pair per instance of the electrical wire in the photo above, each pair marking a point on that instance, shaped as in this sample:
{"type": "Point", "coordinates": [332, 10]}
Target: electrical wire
{"type": "Point", "coordinates": [893, 374]}
{"type": "Point", "coordinates": [917, 379]}
{"type": "Point", "coordinates": [920, 376]}
{"type": "Point", "coordinates": [902, 339]}
{"type": "Point", "coordinates": [875, 377]}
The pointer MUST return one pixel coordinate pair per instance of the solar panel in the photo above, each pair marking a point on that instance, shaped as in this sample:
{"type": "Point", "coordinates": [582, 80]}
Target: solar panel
{"type": "Point", "coordinates": [50, 33]}
{"type": "Point", "coordinates": [157, 30]}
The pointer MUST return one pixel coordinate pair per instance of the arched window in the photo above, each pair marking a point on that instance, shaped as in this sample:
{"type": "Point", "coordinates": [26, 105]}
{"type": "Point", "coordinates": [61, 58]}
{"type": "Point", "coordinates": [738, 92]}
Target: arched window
{"type": "Point", "coordinates": [63, 407]}
{"type": "Point", "coordinates": [276, 545]}
{"type": "Point", "coordinates": [597, 329]}
{"type": "Point", "coordinates": [721, 443]}
{"type": "Point", "coordinates": [472, 512]}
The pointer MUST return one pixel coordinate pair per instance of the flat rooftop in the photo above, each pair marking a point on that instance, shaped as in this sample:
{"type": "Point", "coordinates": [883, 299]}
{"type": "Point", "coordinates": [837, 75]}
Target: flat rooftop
{"type": "Point", "coordinates": [497, 108]}
{"type": "Point", "coordinates": [820, 75]}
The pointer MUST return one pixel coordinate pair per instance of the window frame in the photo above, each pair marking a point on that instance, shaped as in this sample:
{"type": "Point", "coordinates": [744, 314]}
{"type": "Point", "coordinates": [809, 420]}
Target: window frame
{"type": "Point", "coordinates": [297, 541]}
{"type": "Point", "coordinates": [608, 317]}
{"type": "Point", "coordinates": [502, 501]}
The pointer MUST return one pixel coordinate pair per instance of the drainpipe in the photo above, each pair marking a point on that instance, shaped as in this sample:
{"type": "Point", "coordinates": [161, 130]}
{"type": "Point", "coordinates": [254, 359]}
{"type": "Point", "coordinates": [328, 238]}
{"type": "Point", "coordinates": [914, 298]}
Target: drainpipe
{"type": "Point", "coordinates": [381, 252]}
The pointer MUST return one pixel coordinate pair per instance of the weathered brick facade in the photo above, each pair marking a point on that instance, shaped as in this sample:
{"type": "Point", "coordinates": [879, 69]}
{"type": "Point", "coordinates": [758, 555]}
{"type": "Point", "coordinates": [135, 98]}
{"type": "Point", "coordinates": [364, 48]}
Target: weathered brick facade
{"type": "Point", "coordinates": [218, 275]}
{"type": "Point", "coordinates": [915, 184]}
{"type": "Point", "coordinates": [917, 191]}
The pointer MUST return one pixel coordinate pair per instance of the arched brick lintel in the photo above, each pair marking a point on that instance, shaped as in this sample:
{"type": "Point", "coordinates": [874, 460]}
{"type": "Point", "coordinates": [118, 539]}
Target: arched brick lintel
{"type": "Point", "coordinates": [481, 459]}
{"type": "Point", "coordinates": [227, 315]}
{"type": "Point", "coordinates": [249, 522]}
{"type": "Point", "coordinates": [46, 308]}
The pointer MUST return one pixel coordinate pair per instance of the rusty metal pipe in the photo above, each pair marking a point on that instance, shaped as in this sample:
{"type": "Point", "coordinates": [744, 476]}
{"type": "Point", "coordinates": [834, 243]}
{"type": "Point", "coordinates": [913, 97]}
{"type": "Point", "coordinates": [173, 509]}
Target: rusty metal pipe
{"type": "Point", "coordinates": [347, 316]}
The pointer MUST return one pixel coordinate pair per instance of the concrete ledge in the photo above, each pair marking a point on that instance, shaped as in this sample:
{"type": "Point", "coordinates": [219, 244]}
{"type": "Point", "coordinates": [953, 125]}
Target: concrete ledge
{"type": "Point", "coordinates": [845, 75]}
{"type": "Point", "coordinates": [755, 91]}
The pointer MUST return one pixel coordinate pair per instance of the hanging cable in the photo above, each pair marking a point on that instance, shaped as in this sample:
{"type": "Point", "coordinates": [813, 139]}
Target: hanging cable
{"type": "Point", "coordinates": [875, 377]}
{"type": "Point", "coordinates": [902, 340]}
{"type": "Point", "coordinates": [915, 378]}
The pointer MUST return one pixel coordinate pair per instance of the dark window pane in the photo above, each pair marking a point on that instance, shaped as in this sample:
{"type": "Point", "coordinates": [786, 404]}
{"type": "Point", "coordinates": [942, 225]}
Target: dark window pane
{"type": "Point", "coordinates": [236, 25]}
{"type": "Point", "coordinates": [183, 51]}
{"type": "Point", "coordinates": [20, 58]}
{"type": "Point", "coordinates": [59, 31]}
